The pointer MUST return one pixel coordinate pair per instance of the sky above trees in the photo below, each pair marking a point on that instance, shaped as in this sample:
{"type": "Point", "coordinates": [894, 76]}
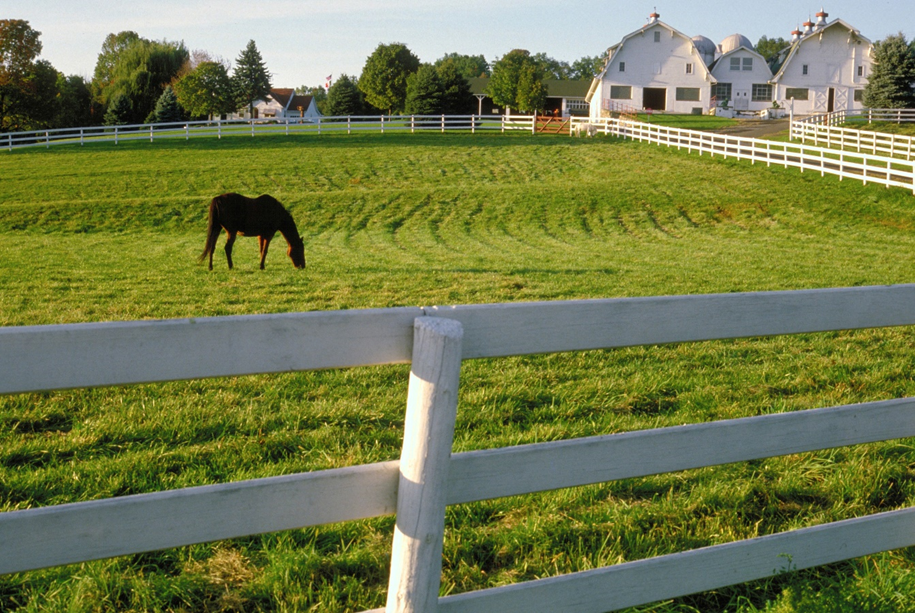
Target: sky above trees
{"type": "Point", "coordinates": [304, 42]}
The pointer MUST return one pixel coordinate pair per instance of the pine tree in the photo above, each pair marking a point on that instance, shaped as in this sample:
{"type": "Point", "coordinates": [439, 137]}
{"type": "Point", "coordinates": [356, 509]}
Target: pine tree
{"type": "Point", "coordinates": [167, 108]}
{"type": "Point", "coordinates": [889, 85]}
{"type": "Point", "coordinates": [343, 98]}
{"type": "Point", "coordinates": [119, 111]}
{"type": "Point", "coordinates": [251, 80]}
{"type": "Point", "coordinates": [424, 92]}
{"type": "Point", "coordinates": [457, 98]}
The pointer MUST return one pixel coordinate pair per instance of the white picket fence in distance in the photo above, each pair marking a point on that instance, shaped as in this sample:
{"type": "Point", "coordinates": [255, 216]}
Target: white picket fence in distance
{"type": "Point", "coordinates": [257, 127]}
{"type": "Point", "coordinates": [869, 168]}
{"type": "Point", "coordinates": [435, 340]}
{"type": "Point", "coordinates": [829, 131]}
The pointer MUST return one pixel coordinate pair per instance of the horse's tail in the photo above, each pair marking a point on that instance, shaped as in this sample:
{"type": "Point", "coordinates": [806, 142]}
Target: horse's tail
{"type": "Point", "coordinates": [212, 231]}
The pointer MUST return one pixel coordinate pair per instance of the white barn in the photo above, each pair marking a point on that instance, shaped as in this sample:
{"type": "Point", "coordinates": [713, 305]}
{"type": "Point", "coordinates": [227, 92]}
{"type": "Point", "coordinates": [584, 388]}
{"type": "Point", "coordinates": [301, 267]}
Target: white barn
{"type": "Point", "coordinates": [656, 67]}
{"type": "Point", "coordinates": [826, 68]}
{"type": "Point", "coordinates": [742, 76]}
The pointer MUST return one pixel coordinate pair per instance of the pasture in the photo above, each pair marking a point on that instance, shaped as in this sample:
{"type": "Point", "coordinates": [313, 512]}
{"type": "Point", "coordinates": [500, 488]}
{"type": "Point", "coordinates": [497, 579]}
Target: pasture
{"type": "Point", "coordinates": [112, 232]}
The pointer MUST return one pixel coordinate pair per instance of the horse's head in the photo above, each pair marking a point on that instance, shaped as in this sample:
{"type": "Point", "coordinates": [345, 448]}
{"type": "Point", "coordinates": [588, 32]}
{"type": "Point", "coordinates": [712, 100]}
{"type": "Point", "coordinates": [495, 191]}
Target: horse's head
{"type": "Point", "coordinates": [297, 255]}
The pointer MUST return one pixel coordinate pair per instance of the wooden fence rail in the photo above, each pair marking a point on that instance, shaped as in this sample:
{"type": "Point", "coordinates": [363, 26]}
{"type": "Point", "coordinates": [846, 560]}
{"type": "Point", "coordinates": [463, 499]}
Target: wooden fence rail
{"type": "Point", "coordinates": [256, 127]}
{"type": "Point", "coordinates": [869, 168]}
{"type": "Point", "coordinates": [428, 476]}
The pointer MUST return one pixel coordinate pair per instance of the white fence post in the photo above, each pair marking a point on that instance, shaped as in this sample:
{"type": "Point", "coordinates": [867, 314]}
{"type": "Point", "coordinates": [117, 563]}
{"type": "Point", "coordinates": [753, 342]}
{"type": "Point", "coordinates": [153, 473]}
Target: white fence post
{"type": "Point", "coordinates": [416, 557]}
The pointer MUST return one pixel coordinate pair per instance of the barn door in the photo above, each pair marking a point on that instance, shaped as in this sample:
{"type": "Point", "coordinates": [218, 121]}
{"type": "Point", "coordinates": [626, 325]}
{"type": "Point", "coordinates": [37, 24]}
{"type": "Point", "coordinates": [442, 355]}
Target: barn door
{"type": "Point", "coordinates": [741, 99]}
{"type": "Point", "coordinates": [654, 98]}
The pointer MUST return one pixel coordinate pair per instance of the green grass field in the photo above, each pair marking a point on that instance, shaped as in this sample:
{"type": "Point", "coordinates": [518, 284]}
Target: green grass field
{"type": "Point", "coordinates": [111, 232]}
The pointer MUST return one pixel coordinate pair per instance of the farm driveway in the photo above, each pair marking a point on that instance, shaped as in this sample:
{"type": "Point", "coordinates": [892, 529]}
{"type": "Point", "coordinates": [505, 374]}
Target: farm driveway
{"type": "Point", "coordinates": [756, 128]}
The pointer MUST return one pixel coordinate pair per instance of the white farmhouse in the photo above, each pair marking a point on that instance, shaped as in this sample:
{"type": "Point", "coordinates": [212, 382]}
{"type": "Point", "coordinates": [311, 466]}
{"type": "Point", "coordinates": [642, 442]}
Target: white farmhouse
{"type": "Point", "coordinates": [826, 68]}
{"type": "Point", "coordinates": [655, 67]}
{"type": "Point", "coordinates": [742, 76]}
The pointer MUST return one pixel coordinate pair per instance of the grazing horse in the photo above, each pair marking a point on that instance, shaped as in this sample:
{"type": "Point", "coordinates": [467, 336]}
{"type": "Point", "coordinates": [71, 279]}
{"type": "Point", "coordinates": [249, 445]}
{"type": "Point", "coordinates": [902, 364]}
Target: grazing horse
{"type": "Point", "coordinates": [260, 217]}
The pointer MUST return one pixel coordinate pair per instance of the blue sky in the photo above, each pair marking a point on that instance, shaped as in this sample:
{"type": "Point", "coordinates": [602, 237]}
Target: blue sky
{"type": "Point", "coordinates": [303, 41]}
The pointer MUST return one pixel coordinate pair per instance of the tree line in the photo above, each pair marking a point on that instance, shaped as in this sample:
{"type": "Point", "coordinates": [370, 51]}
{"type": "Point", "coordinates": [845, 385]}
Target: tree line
{"type": "Point", "coordinates": [137, 80]}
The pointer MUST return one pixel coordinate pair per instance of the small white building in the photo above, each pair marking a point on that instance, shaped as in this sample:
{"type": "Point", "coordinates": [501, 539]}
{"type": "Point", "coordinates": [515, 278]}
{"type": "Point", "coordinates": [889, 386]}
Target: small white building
{"type": "Point", "coordinates": [283, 104]}
{"type": "Point", "coordinates": [825, 69]}
{"type": "Point", "coordinates": [742, 76]}
{"type": "Point", "coordinates": [656, 67]}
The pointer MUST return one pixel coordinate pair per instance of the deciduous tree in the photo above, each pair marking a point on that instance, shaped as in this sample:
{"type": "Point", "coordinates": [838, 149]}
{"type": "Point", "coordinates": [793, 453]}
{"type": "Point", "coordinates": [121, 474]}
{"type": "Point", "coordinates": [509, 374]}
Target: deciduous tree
{"type": "Point", "coordinates": [19, 75]}
{"type": "Point", "coordinates": [206, 90]}
{"type": "Point", "coordinates": [384, 76]}
{"type": "Point", "coordinates": [457, 98]}
{"type": "Point", "coordinates": [469, 66]}
{"type": "Point", "coordinates": [517, 82]}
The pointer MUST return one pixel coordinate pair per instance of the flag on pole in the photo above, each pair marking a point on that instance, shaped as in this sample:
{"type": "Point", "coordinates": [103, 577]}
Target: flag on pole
{"type": "Point", "coordinates": [327, 82]}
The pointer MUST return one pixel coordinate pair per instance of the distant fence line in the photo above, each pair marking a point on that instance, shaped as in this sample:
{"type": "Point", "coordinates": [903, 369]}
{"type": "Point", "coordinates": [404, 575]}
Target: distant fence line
{"type": "Point", "coordinates": [829, 130]}
{"type": "Point", "coordinates": [255, 127]}
{"type": "Point", "coordinates": [868, 168]}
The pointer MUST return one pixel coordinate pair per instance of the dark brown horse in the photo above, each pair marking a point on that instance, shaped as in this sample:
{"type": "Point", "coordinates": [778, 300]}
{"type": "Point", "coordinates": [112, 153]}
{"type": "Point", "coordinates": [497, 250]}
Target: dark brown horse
{"type": "Point", "coordinates": [261, 217]}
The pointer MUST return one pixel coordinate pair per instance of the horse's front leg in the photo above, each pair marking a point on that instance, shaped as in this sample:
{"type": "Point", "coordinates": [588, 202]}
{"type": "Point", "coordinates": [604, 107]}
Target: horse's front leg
{"type": "Point", "coordinates": [264, 242]}
{"type": "Point", "coordinates": [230, 240]}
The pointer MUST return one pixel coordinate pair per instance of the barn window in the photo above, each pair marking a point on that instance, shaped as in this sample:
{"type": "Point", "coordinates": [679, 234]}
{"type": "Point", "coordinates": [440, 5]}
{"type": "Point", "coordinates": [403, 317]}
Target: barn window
{"type": "Point", "coordinates": [622, 66]}
{"type": "Point", "coordinates": [657, 36]}
{"type": "Point", "coordinates": [735, 63]}
{"type": "Point", "coordinates": [762, 92]}
{"type": "Point", "coordinates": [859, 95]}
{"type": "Point", "coordinates": [748, 63]}
{"type": "Point", "coordinates": [690, 94]}
{"type": "Point", "coordinates": [621, 92]}
{"type": "Point", "coordinates": [721, 91]}
{"type": "Point", "coordinates": [860, 71]}
{"type": "Point", "coordinates": [804, 69]}
{"type": "Point", "coordinates": [689, 69]}
{"type": "Point", "coordinates": [798, 93]}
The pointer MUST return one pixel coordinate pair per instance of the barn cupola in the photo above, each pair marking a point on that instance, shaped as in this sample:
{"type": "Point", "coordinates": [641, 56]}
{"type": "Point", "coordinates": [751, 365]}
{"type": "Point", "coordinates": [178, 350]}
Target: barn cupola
{"type": "Point", "coordinates": [795, 35]}
{"type": "Point", "coordinates": [808, 27]}
{"type": "Point", "coordinates": [653, 18]}
{"type": "Point", "coordinates": [821, 19]}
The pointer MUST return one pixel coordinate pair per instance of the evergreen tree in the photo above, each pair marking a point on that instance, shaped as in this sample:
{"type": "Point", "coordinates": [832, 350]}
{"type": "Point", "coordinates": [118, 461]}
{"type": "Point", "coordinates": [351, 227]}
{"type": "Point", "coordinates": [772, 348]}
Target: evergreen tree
{"type": "Point", "coordinates": [889, 85]}
{"type": "Point", "coordinates": [424, 92]}
{"type": "Point", "coordinates": [457, 98]}
{"type": "Point", "coordinates": [344, 98]}
{"type": "Point", "coordinates": [167, 108]}
{"type": "Point", "coordinates": [119, 111]}
{"type": "Point", "coordinates": [251, 80]}
{"type": "Point", "coordinates": [384, 76]}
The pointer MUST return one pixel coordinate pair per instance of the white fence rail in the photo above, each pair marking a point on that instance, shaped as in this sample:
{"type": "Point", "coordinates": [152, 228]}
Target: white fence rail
{"type": "Point", "coordinates": [869, 168]}
{"type": "Point", "coordinates": [256, 127]}
{"type": "Point", "coordinates": [428, 476]}
{"type": "Point", "coordinates": [827, 130]}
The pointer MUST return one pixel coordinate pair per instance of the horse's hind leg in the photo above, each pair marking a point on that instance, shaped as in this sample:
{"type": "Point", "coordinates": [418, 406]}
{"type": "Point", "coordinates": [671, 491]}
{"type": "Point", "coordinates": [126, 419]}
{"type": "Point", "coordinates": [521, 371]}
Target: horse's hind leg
{"type": "Point", "coordinates": [230, 240]}
{"type": "Point", "coordinates": [264, 243]}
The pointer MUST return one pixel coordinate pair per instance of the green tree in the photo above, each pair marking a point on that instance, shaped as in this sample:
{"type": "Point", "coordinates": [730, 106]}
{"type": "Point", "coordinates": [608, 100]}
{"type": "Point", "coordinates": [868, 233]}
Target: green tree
{"type": "Point", "coordinates": [74, 106]}
{"type": "Point", "coordinates": [456, 96]}
{"type": "Point", "coordinates": [771, 48]}
{"type": "Point", "coordinates": [384, 76]}
{"type": "Point", "coordinates": [469, 66]}
{"type": "Point", "coordinates": [552, 68]}
{"type": "Point", "coordinates": [167, 110]}
{"type": "Point", "coordinates": [119, 112]}
{"type": "Point", "coordinates": [889, 85]}
{"type": "Point", "coordinates": [517, 82]}
{"type": "Point", "coordinates": [251, 80]}
{"type": "Point", "coordinates": [587, 67]}
{"type": "Point", "coordinates": [424, 92]}
{"type": "Point", "coordinates": [112, 48]}
{"type": "Point", "coordinates": [344, 98]}
{"type": "Point", "coordinates": [19, 49]}
{"type": "Point", "coordinates": [206, 90]}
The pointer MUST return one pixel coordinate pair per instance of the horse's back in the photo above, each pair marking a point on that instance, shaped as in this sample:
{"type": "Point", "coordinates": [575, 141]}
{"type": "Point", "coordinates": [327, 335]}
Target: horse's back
{"type": "Point", "coordinates": [249, 216]}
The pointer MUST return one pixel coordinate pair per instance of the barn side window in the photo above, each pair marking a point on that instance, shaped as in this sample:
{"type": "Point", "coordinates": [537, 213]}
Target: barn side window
{"type": "Point", "coordinates": [622, 66]}
{"type": "Point", "coordinates": [657, 36]}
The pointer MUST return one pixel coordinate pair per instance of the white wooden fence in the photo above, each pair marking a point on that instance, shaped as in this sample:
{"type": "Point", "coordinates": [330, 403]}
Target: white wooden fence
{"type": "Point", "coordinates": [828, 131]}
{"type": "Point", "coordinates": [429, 476]}
{"type": "Point", "coordinates": [256, 127]}
{"type": "Point", "coordinates": [869, 168]}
